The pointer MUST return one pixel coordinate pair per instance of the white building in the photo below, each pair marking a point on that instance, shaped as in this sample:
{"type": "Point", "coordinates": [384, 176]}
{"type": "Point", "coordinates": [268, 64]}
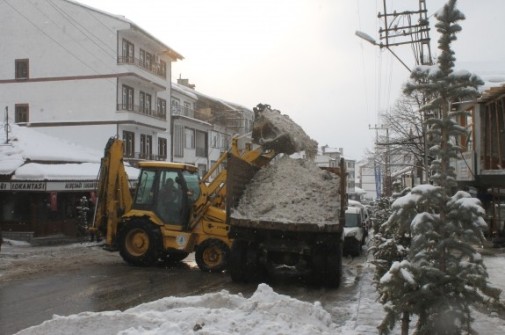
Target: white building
{"type": "Point", "coordinates": [85, 75]}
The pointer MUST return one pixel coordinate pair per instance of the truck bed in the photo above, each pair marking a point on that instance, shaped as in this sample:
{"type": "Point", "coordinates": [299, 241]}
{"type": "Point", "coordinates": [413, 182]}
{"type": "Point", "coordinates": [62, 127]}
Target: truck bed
{"type": "Point", "coordinates": [286, 226]}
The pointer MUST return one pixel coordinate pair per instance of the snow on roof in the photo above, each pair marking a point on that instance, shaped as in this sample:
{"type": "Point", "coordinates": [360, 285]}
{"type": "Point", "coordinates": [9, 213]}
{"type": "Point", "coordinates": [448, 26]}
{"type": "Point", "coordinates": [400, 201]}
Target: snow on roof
{"type": "Point", "coordinates": [31, 155]}
{"type": "Point", "coordinates": [174, 54]}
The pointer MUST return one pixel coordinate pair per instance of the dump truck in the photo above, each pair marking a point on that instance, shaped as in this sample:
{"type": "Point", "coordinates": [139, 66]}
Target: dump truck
{"type": "Point", "coordinates": [264, 246]}
{"type": "Point", "coordinates": [173, 211]}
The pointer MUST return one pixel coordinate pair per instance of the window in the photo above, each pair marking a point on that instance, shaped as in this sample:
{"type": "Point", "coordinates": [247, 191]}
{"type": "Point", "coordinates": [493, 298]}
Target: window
{"type": "Point", "coordinates": [163, 68]}
{"type": "Point", "coordinates": [147, 105]}
{"type": "Point", "coordinates": [201, 144]}
{"type": "Point", "coordinates": [129, 143]}
{"type": "Point", "coordinates": [128, 52]}
{"type": "Point", "coordinates": [22, 66]}
{"type": "Point", "coordinates": [178, 145]}
{"type": "Point", "coordinates": [202, 169]}
{"type": "Point", "coordinates": [189, 138]}
{"type": "Point", "coordinates": [142, 58]}
{"type": "Point", "coordinates": [161, 107]}
{"type": "Point", "coordinates": [149, 61]}
{"type": "Point", "coordinates": [162, 148]}
{"type": "Point", "coordinates": [142, 101]}
{"type": "Point", "coordinates": [21, 113]}
{"type": "Point", "coordinates": [186, 108]}
{"type": "Point", "coordinates": [127, 98]}
{"type": "Point", "coordinates": [146, 146]}
{"type": "Point", "coordinates": [175, 107]}
{"type": "Point", "coordinates": [466, 140]}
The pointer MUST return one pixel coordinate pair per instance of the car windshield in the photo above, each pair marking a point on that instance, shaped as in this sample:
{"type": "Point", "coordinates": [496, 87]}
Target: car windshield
{"type": "Point", "coordinates": [352, 220]}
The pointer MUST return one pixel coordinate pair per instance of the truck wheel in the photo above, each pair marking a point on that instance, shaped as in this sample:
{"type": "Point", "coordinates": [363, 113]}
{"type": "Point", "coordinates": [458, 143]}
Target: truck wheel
{"type": "Point", "coordinates": [356, 246]}
{"type": "Point", "coordinates": [238, 261]}
{"type": "Point", "coordinates": [212, 255]}
{"type": "Point", "coordinates": [139, 243]}
{"type": "Point", "coordinates": [334, 266]}
{"type": "Point", "coordinates": [327, 265]}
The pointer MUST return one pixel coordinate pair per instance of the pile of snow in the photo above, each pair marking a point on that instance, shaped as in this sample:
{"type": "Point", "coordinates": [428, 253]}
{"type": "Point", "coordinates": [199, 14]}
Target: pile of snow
{"type": "Point", "coordinates": [272, 128]}
{"type": "Point", "coordinates": [265, 312]}
{"type": "Point", "coordinates": [291, 191]}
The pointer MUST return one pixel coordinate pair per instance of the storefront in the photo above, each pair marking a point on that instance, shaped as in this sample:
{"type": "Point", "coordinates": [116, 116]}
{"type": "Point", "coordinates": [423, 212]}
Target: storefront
{"type": "Point", "coordinates": [44, 207]}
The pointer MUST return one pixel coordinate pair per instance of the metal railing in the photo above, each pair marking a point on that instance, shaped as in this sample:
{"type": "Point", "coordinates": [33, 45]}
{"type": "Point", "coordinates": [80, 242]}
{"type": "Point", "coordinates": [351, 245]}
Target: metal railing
{"type": "Point", "coordinates": [140, 110]}
{"type": "Point", "coordinates": [144, 156]}
{"type": "Point", "coordinates": [157, 69]}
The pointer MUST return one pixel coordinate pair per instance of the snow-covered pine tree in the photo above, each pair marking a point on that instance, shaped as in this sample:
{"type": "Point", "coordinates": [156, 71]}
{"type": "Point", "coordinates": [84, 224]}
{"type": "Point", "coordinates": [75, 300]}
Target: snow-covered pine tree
{"type": "Point", "coordinates": [442, 274]}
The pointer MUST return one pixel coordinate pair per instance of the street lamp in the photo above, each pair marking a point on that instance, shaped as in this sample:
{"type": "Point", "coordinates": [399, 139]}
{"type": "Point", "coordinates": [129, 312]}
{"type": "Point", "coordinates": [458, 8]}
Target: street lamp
{"type": "Point", "coordinates": [372, 41]}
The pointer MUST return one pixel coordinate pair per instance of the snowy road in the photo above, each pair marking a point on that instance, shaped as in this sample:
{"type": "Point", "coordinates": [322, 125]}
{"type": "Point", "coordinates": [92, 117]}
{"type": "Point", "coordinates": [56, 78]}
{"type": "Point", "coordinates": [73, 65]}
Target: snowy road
{"type": "Point", "coordinates": [38, 282]}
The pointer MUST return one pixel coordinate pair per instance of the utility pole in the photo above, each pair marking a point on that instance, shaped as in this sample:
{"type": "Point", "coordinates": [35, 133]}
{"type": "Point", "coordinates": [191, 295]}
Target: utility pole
{"type": "Point", "coordinates": [387, 180]}
{"type": "Point", "coordinates": [6, 125]}
{"type": "Point", "coordinates": [407, 27]}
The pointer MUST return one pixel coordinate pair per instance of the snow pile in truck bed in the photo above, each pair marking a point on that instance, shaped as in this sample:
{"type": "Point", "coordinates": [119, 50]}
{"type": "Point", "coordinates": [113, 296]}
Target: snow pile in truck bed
{"type": "Point", "coordinates": [281, 125]}
{"type": "Point", "coordinates": [291, 191]}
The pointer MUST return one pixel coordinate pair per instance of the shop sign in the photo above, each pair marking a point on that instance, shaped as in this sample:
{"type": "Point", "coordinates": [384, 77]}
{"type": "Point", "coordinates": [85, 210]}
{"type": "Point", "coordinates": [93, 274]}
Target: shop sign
{"type": "Point", "coordinates": [42, 186]}
{"type": "Point", "coordinates": [27, 186]}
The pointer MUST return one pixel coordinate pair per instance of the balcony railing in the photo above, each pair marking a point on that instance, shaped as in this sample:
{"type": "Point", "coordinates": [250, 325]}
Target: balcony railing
{"type": "Point", "coordinates": [140, 110]}
{"type": "Point", "coordinates": [144, 156]}
{"type": "Point", "coordinates": [181, 110]}
{"type": "Point", "coordinates": [158, 69]}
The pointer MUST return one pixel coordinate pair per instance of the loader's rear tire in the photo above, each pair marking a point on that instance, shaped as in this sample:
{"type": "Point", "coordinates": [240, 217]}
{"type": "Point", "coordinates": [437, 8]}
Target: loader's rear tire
{"type": "Point", "coordinates": [212, 255]}
{"type": "Point", "coordinates": [139, 243]}
{"type": "Point", "coordinates": [238, 261]}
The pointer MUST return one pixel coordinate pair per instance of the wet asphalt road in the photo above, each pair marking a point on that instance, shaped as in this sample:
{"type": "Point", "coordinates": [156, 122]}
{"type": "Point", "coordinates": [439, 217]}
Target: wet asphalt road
{"type": "Point", "coordinates": [29, 300]}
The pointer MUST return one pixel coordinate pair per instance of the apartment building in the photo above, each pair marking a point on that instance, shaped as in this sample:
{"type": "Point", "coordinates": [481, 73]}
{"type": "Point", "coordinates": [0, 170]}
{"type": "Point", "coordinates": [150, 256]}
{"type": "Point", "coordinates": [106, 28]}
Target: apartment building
{"type": "Point", "coordinates": [85, 75]}
{"type": "Point", "coordinates": [481, 166]}
{"type": "Point", "coordinates": [203, 126]}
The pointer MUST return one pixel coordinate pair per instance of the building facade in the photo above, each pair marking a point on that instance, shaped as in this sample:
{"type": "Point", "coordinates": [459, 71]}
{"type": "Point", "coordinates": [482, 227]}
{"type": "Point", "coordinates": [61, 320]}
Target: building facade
{"type": "Point", "coordinates": [78, 73]}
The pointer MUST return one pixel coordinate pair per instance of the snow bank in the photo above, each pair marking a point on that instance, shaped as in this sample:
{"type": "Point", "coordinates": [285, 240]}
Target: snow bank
{"type": "Point", "coordinates": [265, 312]}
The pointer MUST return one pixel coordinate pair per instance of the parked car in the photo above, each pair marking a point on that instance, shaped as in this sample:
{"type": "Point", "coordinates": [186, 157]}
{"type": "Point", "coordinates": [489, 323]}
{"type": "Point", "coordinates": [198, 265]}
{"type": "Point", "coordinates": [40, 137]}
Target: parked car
{"type": "Point", "coordinates": [365, 213]}
{"type": "Point", "coordinates": [354, 231]}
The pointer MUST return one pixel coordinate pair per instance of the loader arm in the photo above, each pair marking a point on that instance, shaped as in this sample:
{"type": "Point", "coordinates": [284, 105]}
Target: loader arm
{"type": "Point", "coordinates": [213, 191]}
{"type": "Point", "coordinates": [113, 193]}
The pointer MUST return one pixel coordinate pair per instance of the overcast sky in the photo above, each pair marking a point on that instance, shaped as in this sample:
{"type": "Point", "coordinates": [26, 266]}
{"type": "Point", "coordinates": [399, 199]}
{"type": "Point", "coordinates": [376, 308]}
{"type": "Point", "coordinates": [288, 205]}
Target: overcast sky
{"type": "Point", "coordinates": [302, 56]}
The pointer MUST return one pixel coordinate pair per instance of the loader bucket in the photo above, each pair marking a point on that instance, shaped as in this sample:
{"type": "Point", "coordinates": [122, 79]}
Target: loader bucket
{"type": "Point", "coordinates": [275, 131]}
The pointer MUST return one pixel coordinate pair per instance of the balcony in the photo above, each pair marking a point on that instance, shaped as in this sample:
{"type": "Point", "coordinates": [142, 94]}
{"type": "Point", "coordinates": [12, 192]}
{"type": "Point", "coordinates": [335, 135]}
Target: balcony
{"type": "Point", "coordinates": [158, 69]}
{"type": "Point", "coordinates": [162, 115]}
{"type": "Point", "coordinates": [182, 111]}
{"type": "Point", "coordinates": [136, 156]}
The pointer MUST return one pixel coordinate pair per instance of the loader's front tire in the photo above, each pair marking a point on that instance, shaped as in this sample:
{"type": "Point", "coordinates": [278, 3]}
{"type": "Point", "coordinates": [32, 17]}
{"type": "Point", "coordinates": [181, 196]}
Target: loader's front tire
{"type": "Point", "coordinates": [212, 255]}
{"type": "Point", "coordinates": [139, 243]}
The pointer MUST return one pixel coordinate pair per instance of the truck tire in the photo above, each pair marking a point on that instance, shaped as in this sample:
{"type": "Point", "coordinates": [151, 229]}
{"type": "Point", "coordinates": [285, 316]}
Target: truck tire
{"type": "Point", "coordinates": [139, 243]}
{"type": "Point", "coordinates": [333, 275]}
{"type": "Point", "coordinates": [356, 248]}
{"type": "Point", "coordinates": [212, 255]}
{"type": "Point", "coordinates": [327, 265]}
{"type": "Point", "coordinates": [238, 261]}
